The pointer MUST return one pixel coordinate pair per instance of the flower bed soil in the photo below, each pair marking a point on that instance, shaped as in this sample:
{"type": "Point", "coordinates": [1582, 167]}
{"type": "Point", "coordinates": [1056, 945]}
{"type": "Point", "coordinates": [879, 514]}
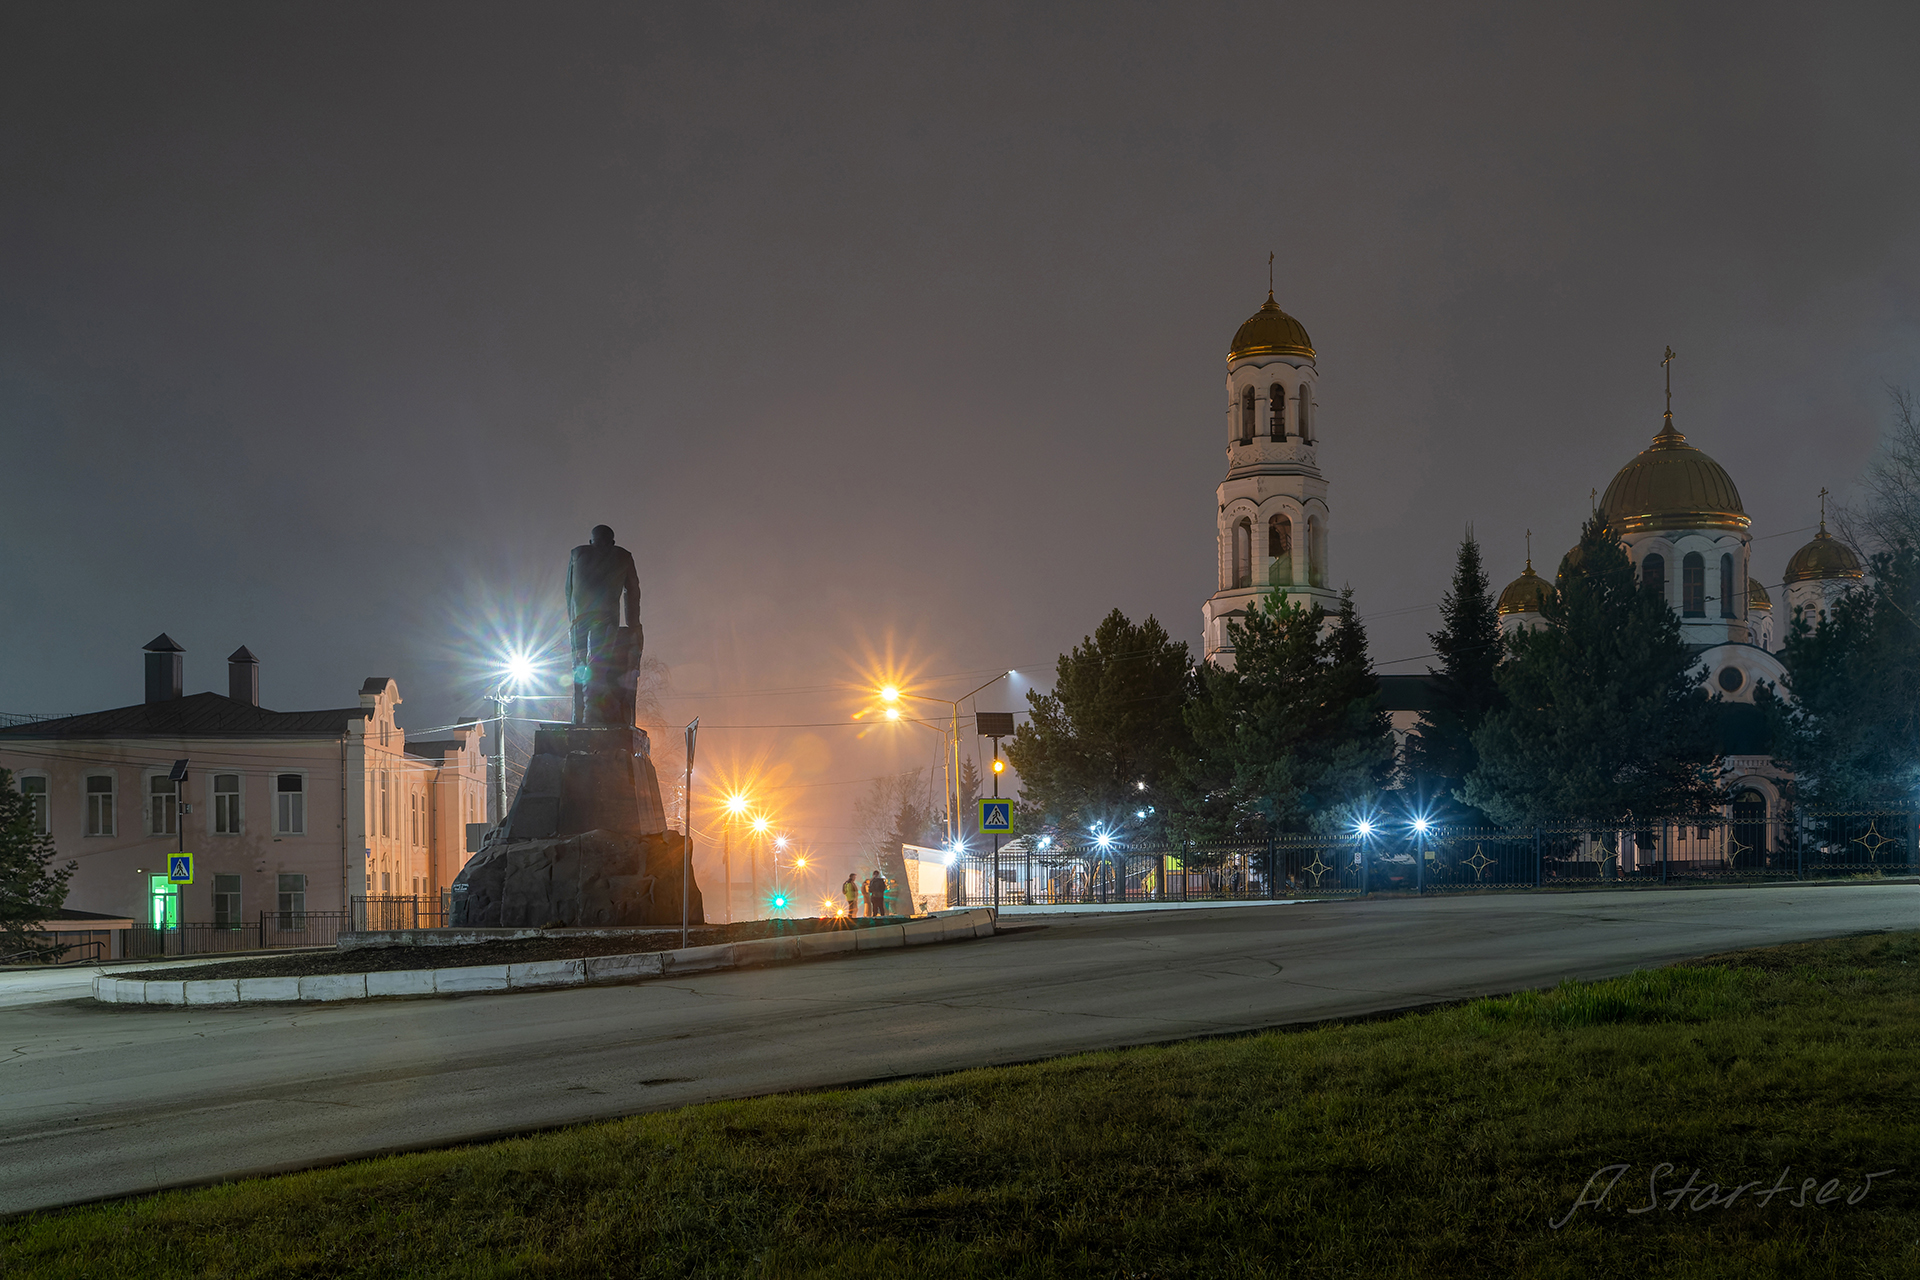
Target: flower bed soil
{"type": "Point", "coordinates": [505, 951]}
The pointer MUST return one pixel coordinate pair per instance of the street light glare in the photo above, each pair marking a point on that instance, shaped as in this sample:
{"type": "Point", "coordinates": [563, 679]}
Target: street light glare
{"type": "Point", "coordinates": [736, 804]}
{"type": "Point", "coordinates": [889, 694]}
{"type": "Point", "coordinates": [779, 842]}
{"type": "Point", "coordinates": [760, 825]}
{"type": "Point", "coordinates": [1421, 825]}
{"type": "Point", "coordinates": [520, 668]}
{"type": "Point", "coordinates": [893, 713]}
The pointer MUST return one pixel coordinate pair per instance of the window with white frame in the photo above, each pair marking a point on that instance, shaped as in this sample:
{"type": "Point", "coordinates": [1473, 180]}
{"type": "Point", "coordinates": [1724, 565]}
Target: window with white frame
{"type": "Point", "coordinates": [226, 804]}
{"type": "Point", "coordinates": [100, 804]}
{"type": "Point", "coordinates": [34, 788]}
{"type": "Point", "coordinates": [384, 830]}
{"type": "Point", "coordinates": [226, 901]}
{"type": "Point", "coordinates": [290, 804]}
{"type": "Point", "coordinates": [291, 901]}
{"type": "Point", "coordinates": [163, 806]}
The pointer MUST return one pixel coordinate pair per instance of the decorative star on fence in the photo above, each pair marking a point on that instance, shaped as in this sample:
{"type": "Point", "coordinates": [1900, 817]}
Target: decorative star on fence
{"type": "Point", "coordinates": [1479, 862]}
{"type": "Point", "coordinates": [1873, 842]}
{"type": "Point", "coordinates": [1316, 868]}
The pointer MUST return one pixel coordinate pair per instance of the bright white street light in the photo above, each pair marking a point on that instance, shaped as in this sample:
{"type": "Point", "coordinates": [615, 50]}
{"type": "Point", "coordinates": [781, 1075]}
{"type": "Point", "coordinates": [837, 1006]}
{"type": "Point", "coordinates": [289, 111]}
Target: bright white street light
{"type": "Point", "coordinates": [1421, 825]}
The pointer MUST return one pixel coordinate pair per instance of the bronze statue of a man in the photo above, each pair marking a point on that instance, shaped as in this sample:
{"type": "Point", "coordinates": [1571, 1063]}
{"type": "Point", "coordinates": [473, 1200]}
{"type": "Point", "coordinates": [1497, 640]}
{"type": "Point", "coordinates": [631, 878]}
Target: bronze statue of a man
{"type": "Point", "coordinates": [605, 653]}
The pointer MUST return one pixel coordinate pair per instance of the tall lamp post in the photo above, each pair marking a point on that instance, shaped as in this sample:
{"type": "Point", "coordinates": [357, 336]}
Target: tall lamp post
{"type": "Point", "coordinates": [892, 694]}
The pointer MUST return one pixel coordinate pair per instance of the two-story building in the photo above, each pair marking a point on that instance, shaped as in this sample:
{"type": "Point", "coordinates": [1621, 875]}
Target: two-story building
{"type": "Point", "coordinates": [286, 812]}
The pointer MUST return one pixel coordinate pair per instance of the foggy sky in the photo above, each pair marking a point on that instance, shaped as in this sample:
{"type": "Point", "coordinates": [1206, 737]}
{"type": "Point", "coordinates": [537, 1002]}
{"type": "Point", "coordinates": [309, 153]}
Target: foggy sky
{"type": "Point", "coordinates": [328, 329]}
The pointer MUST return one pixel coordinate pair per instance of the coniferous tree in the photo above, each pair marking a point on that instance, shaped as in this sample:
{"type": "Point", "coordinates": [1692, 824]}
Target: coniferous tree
{"type": "Point", "coordinates": [1440, 753]}
{"type": "Point", "coordinates": [31, 888]}
{"type": "Point", "coordinates": [1851, 733]}
{"type": "Point", "coordinates": [1293, 738]}
{"type": "Point", "coordinates": [1604, 713]}
{"type": "Point", "coordinates": [1112, 723]}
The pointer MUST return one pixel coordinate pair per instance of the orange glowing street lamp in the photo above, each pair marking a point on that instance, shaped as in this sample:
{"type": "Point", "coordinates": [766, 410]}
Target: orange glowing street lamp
{"type": "Point", "coordinates": [891, 695]}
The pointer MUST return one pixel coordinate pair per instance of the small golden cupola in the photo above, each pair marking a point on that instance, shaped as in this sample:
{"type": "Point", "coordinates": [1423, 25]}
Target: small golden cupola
{"type": "Point", "coordinates": [1824, 558]}
{"type": "Point", "coordinates": [1270, 332]}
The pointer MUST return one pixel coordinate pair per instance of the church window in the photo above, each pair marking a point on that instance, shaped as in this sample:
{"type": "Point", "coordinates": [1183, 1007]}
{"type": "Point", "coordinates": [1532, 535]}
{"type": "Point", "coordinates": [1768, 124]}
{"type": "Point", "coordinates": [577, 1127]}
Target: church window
{"type": "Point", "coordinates": [1727, 598]}
{"type": "Point", "coordinates": [1316, 552]}
{"type": "Point", "coordinates": [1280, 548]}
{"type": "Point", "coordinates": [1247, 411]}
{"type": "Point", "coordinates": [1304, 419]}
{"type": "Point", "coordinates": [1653, 574]}
{"type": "Point", "coordinates": [1693, 585]}
{"type": "Point", "coordinates": [1277, 402]}
{"type": "Point", "coordinates": [1243, 553]}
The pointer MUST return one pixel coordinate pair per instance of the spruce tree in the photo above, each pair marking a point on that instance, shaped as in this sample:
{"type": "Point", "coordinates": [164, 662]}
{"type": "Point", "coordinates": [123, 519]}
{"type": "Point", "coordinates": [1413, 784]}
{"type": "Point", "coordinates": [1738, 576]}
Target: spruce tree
{"type": "Point", "coordinates": [1294, 737]}
{"type": "Point", "coordinates": [1112, 723]}
{"type": "Point", "coordinates": [1852, 730]}
{"type": "Point", "coordinates": [1440, 752]}
{"type": "Point", "coordinates": [31, 887]}
{"type": "Point", "coordinates": [1604, 712]}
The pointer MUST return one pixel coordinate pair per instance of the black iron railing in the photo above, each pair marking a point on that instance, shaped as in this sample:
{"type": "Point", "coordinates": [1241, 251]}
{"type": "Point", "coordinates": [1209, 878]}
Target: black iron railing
{"type": "Point", "coordinates": [1438, 859]}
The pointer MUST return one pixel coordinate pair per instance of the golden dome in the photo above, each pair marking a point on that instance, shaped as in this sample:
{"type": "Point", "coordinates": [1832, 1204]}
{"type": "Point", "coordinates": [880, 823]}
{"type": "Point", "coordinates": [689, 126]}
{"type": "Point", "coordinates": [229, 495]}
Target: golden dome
{"type": "Point", "coordinates": [1824, 557]}
{"type": "Point", "coordinates": [1757, 597]}
{"type": "Point", "coordinates": [1524, 593]}
{"type": "Point", "coordinates": [1672, 485]}
{"type": "Point", "coordinates": [1270, 332]}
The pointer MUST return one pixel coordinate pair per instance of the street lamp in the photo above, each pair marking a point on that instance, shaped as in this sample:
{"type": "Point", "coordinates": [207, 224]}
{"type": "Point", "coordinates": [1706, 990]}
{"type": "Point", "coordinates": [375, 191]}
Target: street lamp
{"type": "Point", "coordinates": [891, 694]}
{"type": "Point", "coordinates": [734, 805]}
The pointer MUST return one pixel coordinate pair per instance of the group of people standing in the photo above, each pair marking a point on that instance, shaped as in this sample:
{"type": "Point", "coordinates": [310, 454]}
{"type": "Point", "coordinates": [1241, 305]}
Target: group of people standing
{"type": "Point", "coordinates": [874, 891]}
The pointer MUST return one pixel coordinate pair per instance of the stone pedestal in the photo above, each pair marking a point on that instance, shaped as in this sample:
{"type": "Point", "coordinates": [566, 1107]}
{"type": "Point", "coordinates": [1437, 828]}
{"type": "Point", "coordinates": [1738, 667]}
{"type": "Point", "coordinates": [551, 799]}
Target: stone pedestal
{"type": "Point", "coordinates": [585, 843]}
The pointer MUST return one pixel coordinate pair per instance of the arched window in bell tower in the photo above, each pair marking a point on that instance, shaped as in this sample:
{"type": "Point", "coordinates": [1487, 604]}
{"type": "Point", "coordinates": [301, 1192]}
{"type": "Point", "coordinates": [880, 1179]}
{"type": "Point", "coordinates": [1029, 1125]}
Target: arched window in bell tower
{"type": "Point", "coordinates": [1248, 409]}
{"type": "Point", "coordinates": [1277, 409]}
{"type": "Point", "coordinates": [1243, 552]}
{"type": "Point", "coordinates": [1727, 598]}
{"type": "Point", "coordinates": [1316, 552]}
{"type": "Point", "coordinates": [1303, 419]}
{"type": "Point", "coordinates": [1693, 585]}
{"type": "Point", "coordinates": [1653, 574]}
{"type": "Point", "coordinates": [1280, 550]}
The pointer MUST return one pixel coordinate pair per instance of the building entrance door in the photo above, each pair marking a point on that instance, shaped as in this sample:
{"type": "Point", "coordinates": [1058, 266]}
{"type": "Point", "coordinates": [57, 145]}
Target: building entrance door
{"type": "Point", "coordinates": [163, 910]}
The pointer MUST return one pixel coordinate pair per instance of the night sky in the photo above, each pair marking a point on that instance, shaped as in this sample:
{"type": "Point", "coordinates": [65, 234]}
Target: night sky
{"type": "Point", "coordinates": [328, 329]}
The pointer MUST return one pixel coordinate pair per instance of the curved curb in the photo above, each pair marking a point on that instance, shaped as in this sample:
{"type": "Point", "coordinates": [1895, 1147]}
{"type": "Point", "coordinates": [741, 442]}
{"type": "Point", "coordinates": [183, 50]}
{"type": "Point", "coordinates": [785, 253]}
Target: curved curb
{"type": "Point", "coordinates": [542, 975]}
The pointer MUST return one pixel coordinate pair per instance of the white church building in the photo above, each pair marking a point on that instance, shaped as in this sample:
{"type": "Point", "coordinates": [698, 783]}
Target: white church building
{"type": "Point", "coordinates": [1677, 511]}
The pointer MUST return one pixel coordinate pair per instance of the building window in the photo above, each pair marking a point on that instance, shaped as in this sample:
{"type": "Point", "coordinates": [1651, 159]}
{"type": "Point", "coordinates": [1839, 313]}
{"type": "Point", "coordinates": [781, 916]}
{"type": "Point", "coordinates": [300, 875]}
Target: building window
{"type": "Point", "coordinates": [1280, 549]}
{"type": "Point", "coordinates": [1727, 598]}
{"type": "Point", "coordinates": [1243, 553]}
{"type": "Point", "coordinates": [1316, 552]}
{"type": "Point", "coordinates": [1247, 410]}
{"type": "Point", "coordinates": [35, 790]}
{"type": "Point", "coordinates": [292, 902]}
{"type": "Point", "coordinates": [290, 814]}
{"type": "Point", "coordinates": [1304, 419]}
{"type": "Point", "coordinates": [384, 830]}
{"type": "Point", "coordinates": [226, 804]}
{"type": "Point", "coordinates": [1277, 408]}
{"type": "Point", "coordinates": [100, 804]}
{"type": "Point", "coordinates": [163, 809]}
{"type": "Point", "coordinates": [226, 901]}
{"type": "Point", "coordinates": [1693, 585]}
{"type": "Point", "coordinates": [1653, 574]}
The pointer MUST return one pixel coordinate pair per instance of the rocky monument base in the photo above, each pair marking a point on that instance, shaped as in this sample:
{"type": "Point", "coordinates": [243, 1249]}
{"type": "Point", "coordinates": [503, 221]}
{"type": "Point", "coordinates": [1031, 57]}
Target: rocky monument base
{"type": "Point", "coordinates": [586, 842]}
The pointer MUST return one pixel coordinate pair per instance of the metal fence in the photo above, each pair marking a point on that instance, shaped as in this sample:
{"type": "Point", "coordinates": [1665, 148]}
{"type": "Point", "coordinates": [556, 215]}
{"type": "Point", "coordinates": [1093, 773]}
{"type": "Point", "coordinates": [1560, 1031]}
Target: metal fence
{"type": "Point", "coordinates": [1438, 859]}
{"type": "Point", "coordinates": [425, 911]}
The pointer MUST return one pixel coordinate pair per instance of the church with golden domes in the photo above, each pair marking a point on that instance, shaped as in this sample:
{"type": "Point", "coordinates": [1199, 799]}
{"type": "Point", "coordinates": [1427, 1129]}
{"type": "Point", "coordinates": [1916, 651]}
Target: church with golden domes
{"type": "Point", "coordinates": [1677, 511]}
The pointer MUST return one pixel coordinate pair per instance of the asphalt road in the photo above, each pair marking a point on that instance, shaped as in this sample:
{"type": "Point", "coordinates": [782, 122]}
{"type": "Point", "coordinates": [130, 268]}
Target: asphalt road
{"type": "Point", "coordinates": [99, 1101]}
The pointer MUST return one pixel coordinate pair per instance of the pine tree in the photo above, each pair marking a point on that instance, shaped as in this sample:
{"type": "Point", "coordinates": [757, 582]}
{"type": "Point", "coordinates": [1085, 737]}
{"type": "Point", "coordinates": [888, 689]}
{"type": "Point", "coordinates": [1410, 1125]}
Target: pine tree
{"type": "Point", "coordinates": [1852, 730]}
{"type": "Point", "coordinates": [1293, 738]}
{"type": "Point", "coordinates": [1604, 713]}
{"type": "Point", "coordinates": [1107, 734]}
{"type": "Point", "coordinates": [31, 888]}
{"type": "Point", "coordinates": [1440, 752]}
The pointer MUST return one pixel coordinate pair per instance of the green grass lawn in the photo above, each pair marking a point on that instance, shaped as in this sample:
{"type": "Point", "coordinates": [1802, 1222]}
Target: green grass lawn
{"type": "Point", "coordinates": [1437, 1144]}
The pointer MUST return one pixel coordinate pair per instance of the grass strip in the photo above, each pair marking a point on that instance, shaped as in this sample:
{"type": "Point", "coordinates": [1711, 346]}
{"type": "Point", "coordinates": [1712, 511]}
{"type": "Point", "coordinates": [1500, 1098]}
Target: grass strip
{"type": "Point", "coordinates": [1436, 1144]}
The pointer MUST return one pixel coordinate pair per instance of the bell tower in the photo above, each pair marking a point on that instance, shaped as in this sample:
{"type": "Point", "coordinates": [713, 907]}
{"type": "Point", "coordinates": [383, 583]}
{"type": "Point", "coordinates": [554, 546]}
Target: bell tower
{"type": "Point", "coordinates": [1272, 506]}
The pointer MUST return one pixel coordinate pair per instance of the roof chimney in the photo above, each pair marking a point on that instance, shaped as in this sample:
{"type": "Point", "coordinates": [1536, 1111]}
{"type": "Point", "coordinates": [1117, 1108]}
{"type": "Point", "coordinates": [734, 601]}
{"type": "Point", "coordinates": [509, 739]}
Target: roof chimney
{"type": "Point", "coordinates": [243, 677]}
{"type": "Point", "coordinates": [164, 669]}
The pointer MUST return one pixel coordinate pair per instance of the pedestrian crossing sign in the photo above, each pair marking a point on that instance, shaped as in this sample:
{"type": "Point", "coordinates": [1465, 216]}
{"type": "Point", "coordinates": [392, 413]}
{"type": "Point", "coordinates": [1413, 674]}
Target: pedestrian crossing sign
{"type": "Point", "coordinates": [180, 868]}
{"type": "Point", "coordinates": [996, 817]}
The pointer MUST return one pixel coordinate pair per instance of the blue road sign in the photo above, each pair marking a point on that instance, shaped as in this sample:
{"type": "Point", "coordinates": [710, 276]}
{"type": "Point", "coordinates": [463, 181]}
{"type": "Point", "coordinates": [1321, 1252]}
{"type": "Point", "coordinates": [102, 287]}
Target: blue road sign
{"type": "Point", "coordinates": [996, 817]}
{"type": "Point", "coordinates": [180, 868]}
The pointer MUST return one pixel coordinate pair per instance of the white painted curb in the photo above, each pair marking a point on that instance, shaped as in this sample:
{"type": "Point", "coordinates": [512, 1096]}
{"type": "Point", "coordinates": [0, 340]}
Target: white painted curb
{"type": "Point", "coordinates": [545, 975]}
